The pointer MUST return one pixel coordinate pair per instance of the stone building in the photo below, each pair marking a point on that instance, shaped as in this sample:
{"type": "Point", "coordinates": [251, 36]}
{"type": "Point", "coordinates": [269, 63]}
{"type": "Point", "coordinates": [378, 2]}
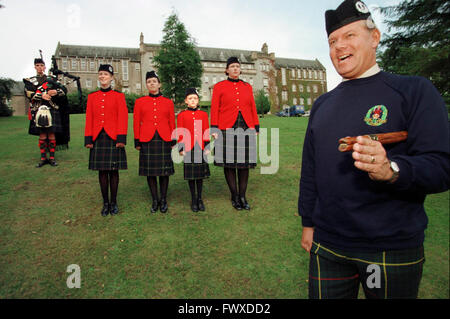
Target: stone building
{"type": "Point", "coordinates": [285, 81]}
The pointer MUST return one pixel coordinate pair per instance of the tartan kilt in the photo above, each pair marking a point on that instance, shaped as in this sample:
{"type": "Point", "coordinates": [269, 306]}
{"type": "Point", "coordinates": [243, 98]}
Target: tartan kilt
{"type": "Point", "coordinates": [55, 128]}
{"type": "Point", "coordinates": [105, 156]}
{"type": "Point", "coordinates": [195, 166]}
{"type": "Point", "coordinates": [227, 152]}
{"type": "Point", "coordinates": [155, 157]}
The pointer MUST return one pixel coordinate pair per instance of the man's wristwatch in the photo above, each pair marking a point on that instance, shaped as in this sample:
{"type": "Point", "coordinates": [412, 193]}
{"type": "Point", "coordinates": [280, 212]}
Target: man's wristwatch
{"type": "Point", "coordinates": [396, 170]}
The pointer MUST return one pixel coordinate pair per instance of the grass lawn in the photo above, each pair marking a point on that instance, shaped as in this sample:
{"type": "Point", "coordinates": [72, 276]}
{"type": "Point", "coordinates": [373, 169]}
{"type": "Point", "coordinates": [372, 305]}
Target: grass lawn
{"type": "Point", "coordinates": [50, 218]}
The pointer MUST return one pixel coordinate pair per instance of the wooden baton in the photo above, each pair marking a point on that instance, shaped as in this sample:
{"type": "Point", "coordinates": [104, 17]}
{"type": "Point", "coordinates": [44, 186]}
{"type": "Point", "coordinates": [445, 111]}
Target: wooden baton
{"type": "Point", "coordinates": [346, 143]}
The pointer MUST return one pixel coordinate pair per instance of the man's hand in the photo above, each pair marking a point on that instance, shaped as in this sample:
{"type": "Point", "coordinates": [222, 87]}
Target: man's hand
{"type": "Point", "coordinates": [52, 92]}
{"type": "Point", "coordinates": [370, 156]}
{"type": "Point", "coordinates": [46, 96]}
{"type": "Point", "coordinates": [138, 148]}
{"type": "Point", "coordinates": [89, 145]}
{"type": "Point", "coordinates": [182, 153]}
{"type": "Point", "coordinates": [307, 238]}
{"type": "Point", "coordinates": [121, 145]}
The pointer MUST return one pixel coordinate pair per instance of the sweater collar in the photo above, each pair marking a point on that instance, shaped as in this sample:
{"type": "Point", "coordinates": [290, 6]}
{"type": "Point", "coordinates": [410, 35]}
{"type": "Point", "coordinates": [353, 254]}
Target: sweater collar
{"type": "Point", "coordinates": [155, 95]}
{"type": "Point", "coordinates": [372, 71]}
{"type": "Point", "coordinates": [105, 90]}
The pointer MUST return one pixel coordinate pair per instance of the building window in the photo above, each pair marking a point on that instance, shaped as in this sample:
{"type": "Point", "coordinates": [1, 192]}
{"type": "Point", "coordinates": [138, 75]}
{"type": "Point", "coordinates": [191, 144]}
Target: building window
{"type": "Point", "coordinates": [283, 76]}
{"type": "Point", "coordinates": [315, 89]}
{"type": "Point", "coordinates": [138, 86]}
{"type": "Point", "coordinates": [300, 87]}
{"type": "Point", "coordinates": [304, 74]}
{"type": "Point", "coordinates": [302, 101]}
{"type": "Point", "coordinates": [293, 73]}
{"type": "Point", "coordinates": [137, 66]}
{"type": "Point", "coordinates": [74, 64]}
{"type": "Point", "coordinates": [206, 79]}
{"type": "Point", "coordinates": [321, 75]}
{"type": "Point", "coordinates": [266, 82]}
{"type": "Point", "coordinates": [294, 101]}
{"type": "Point", "coordinates": [294, 88]}
{"type": "Point", "coordinates": [308, 88]}
{"type": "Point", "coordinates": [125, 70]}
{"type": "Point", "coordinates": [92, 65]}
{"type": "Point", "coordinates": [309, 101]}
{"type": "Point", "coordinates": [64, 64]}
{"type": "Point", "coordinates": [284, 96]}
{"type": "Point", "coordinates": [310, 74]}
{"type": "Point", "coordinates": [88, 83]}
{"type": "Point", "coordinates": [83, 64]}
{"type": "Point", "coordinates": [299, 73]}
{"type": "Point", "coordinates": [315, 74]}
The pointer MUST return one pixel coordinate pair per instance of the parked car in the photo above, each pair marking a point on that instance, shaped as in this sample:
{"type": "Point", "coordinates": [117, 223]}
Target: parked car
{"type": "Point", "coordinates": [283, 113]}
{"type": "Point", "coordinates": [296, 110]}
{"type": "Point", "coordinates": [306, 113]}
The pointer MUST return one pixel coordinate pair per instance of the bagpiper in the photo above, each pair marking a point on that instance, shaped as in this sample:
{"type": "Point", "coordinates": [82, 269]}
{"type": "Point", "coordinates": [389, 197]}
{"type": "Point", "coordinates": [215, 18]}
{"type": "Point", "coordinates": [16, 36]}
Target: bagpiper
{"type": "Point", "coordinates": [47, 97]}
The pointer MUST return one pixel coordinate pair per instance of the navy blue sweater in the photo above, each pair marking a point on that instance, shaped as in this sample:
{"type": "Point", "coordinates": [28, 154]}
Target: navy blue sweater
{"type": "Point", "coordinates": [347, 209]}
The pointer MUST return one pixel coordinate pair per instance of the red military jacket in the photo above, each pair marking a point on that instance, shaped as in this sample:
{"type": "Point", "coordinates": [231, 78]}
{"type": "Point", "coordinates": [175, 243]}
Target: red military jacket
{"type": "Point", "coordinates": [196, 123]}
{"type": "Point", "coordinates": [153, 113]}
{"type": "Point", "coordinates": [228, 98]}
{"type": "Point", "coordinates": [106, 109]}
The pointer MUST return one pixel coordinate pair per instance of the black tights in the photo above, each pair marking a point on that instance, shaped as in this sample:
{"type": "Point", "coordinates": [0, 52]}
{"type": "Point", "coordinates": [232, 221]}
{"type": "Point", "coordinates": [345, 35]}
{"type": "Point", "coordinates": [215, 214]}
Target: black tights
{"type": "Point", "coordinates": [230, 176]}
{"type": "Point", "coordinates": [163, 186]}
{"type": "Point", "coordinates": [199, 183]}
{"type": "Point", "coordinates": [111, 179]}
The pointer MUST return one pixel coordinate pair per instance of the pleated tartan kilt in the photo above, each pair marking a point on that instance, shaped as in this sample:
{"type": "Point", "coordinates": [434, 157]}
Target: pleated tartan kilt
{"type": "Point", "coordinates": [105, 155]}
{"type": "Point", "coordinates": [155, 157]}
{"type": "Point", "coordinates": [55, 128]}
{"type": "Point", "coordinates": [195, 166]}
{"type": "Point", "coordinates": [230, 153]}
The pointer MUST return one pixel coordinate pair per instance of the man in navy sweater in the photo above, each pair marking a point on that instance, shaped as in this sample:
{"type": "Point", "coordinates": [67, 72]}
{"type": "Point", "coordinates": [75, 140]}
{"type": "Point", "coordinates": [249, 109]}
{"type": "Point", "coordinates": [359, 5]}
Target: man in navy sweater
{"type": "Point", "coordinates": [363, 211]}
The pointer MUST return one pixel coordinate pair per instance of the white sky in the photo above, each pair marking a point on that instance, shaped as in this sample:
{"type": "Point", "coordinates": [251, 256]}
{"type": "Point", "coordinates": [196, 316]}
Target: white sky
{"type": "Point", "coordinates": [292, 29]}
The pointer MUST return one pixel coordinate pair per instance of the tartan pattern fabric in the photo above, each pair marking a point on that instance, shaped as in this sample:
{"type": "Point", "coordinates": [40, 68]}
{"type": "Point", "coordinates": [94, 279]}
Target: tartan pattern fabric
{"type": "Point", "coordinates": [195, 166]}
{"type": "Point", "coordinates": [155, 157]}
{"type": "Point", "coordinates": [105, 155]}
{"type": "Point", "coordinates": [55, 128]}
{"type": "Point", "coordinates": [232, 155]}
{"type": "Point", "coordinates": [336, 274]}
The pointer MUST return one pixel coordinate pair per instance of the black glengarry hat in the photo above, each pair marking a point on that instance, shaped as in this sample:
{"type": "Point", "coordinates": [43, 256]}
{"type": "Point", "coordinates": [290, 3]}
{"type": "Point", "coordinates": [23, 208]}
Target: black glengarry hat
{"type": "Point", "coordinates": [348, 11]}
{"type": "Point", "coordinates": [151, 74]}
{"type": "Point", "coordinates": [232, 60]}
{"type": "Point", "coordinates": [107, 68]}
{"type": "Point", "coordinates": [190, 91]}
{"type": "Point", "coordinates": [39, 60]}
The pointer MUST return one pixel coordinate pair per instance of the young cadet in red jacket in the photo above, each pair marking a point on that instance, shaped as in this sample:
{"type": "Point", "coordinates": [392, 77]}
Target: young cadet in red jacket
{"type": "Point", "coordinates": [106, 136]}
{"type": "Point", "coordinates": [193, 137]}
{"type": "Point", "coordinates": [153, 124]}
{"type": "Point", "coordinates": [233, 112]}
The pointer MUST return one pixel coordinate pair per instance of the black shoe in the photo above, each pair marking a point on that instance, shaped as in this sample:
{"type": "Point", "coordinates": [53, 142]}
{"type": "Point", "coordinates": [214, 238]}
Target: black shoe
{"type": "Point", "coordinates": [163, 205]}
{"type": "Point", "coordinates": [105, 209]}
{"type": "Point", "coordinates": [113, 209]}
{"type": "Point", "coordinates": [201, 206]}
{"type": "Point", "coordinates": [52, 162]}
{"type": "Point", "coordinates": [236, 202]}
{"type": "Point", "coordinates": [155, 206]}
{"type": "Point", "coordinates": [42, 163]}
{"type": "Point", "coordinates": [244, 203]}
{"type": "Point", "coordinates": [194, 205]}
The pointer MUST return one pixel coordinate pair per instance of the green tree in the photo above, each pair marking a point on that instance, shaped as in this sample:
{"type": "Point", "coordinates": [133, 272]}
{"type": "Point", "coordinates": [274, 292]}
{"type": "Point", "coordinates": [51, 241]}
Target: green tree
{"type": "Point", "coordinates": [6, 85]}
{"type": "Point", "coordinates": [419, 43]}
{"type": "Point", "coordinates": [262, 103]}
{"type": "Point", "coordinates": [179, 65]}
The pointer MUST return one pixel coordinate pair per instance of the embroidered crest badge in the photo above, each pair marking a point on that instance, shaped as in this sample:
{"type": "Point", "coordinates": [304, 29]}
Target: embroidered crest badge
{"type": "Point", "coordinates": [376, 116]}
{"type": "Point", "coordinates": [361, 7]}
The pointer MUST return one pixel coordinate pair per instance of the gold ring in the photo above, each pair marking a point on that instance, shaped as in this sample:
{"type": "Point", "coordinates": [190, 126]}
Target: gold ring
{"type": "Point", "coordinates": [372, 160]}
